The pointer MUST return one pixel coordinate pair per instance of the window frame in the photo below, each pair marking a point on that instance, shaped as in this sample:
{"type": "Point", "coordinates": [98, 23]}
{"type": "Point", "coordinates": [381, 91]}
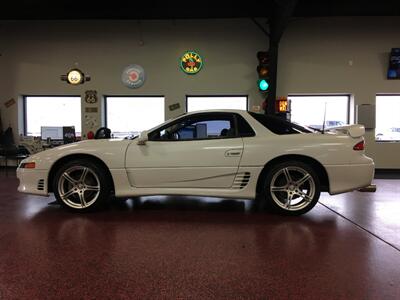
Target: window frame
{"type": "Point", "coordinates": [224, 115]}
{"type": "Point", "coordinates": [24, 108]}
{"type": "Point", "coordinates": [348, 95]}
{"type": "Point", "coordinates": [216, 96]}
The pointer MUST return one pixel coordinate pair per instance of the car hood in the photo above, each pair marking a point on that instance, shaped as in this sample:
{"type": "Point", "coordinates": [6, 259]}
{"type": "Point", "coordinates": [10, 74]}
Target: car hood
{"type": "Point", "coordinates": [111, 152]}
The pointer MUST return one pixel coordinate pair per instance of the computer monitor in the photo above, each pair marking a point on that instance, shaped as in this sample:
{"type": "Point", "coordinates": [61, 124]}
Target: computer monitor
{"type": "Point", "coordinates": [69, 134]}
{"type": "Point", "coordinates": [52, 132]}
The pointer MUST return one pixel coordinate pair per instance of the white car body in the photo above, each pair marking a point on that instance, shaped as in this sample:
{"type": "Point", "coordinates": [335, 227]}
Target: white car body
{"type": "Point", "coordinates": [228, 167]}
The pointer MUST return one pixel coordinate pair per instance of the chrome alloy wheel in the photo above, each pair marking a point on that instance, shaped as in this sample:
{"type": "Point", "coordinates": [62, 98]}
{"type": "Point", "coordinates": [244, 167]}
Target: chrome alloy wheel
{"type": "Point", "coordinates": [79, 187]}
{"type": "Point", "coordinates": [292, 188]}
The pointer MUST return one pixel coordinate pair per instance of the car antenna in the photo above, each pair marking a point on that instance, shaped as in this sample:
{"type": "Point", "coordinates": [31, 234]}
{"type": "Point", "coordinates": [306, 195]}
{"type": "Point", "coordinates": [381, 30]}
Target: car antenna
{"type": "Point", "coordinates": [323, 124]}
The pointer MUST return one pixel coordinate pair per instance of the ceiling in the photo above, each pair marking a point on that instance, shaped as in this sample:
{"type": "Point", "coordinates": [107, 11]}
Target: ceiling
{"type": "Point", "coordinates": [151, 9]}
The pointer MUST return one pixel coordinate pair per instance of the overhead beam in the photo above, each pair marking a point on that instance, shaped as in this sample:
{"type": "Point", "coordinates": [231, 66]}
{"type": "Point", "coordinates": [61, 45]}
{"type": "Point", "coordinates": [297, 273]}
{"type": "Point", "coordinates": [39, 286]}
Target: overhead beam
{"type": "Point", "coordinates": [262, 28]}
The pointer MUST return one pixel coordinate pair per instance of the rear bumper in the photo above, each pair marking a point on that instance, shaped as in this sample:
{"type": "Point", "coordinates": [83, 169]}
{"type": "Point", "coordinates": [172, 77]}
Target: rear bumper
{"type": "Point", "coordinates": [346, 178]}
{"type": "Point", "coordinates": [32, 181]}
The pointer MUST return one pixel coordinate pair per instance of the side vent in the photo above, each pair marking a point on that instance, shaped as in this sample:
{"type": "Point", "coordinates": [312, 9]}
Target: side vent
{"type": "Point", "coordinates": [40, 185]}
{"type": "Point", "coordinates": [241, 180]}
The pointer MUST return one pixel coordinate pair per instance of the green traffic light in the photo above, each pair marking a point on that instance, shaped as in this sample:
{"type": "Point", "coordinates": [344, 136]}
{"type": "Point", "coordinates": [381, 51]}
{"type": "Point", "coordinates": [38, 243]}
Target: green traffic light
{"type": "Point", "coordinates": [263, 85]}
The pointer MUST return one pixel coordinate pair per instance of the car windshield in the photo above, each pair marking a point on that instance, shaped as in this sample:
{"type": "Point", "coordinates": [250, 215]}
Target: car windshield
{"type": "Point", "coordinates": [280, 126]}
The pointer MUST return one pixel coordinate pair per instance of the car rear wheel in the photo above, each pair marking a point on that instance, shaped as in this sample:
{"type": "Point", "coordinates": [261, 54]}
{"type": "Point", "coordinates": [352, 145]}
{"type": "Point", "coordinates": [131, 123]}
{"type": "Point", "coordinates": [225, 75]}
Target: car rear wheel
{"type": "Point", "coordinates": [291, 188]}
{"type": "Point", "coordinates": [81, 185]}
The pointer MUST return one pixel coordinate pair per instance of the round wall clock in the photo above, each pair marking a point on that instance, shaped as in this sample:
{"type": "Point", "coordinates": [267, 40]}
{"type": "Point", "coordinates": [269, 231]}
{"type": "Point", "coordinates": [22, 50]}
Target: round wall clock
{"type": "Point", "coordinates": [191, 62]}
{"type": "Point", "coordinates": [75, 76]}
{"type": "Point", "coordinates": [133, 76]}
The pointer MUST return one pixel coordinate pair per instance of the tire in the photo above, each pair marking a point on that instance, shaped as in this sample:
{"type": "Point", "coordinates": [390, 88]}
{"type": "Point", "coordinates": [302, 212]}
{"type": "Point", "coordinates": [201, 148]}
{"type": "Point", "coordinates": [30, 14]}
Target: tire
{"type": "Point", "coordinates": [81, 185]}
{"type": "Point", "coordinates": [290, 188]}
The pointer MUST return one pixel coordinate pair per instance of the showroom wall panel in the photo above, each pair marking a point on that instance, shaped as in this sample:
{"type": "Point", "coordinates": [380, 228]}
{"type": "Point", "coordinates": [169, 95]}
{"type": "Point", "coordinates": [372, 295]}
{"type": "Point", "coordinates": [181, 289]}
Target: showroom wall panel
{"type": "Point", "coordinates": [38, 52]}
{"type": "Point", "coordinates": [317, 55]}
{"type": "Point", "coordinates": [346, 55]}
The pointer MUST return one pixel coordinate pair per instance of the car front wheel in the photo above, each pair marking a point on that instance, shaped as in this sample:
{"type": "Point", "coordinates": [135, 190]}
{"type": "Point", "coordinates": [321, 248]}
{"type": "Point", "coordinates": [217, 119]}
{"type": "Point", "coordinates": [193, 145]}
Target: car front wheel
{"type": "Point", "coordinates": [81, 185]}
{"type": "Point", "coordinates": [291, 188]}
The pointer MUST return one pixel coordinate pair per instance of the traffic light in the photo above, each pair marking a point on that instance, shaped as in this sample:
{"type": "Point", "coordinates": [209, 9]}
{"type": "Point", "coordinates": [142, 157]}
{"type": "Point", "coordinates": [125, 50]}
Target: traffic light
{"type": "Point", "coordinates": [263, 85]}
{"type": "Point", "coordinates": [263, 70]}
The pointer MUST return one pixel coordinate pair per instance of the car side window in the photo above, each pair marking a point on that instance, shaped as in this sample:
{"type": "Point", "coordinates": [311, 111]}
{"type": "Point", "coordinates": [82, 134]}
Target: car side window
{"type": "Point", "coordinates": [278, 125]}
{"type": "Point", "coordinates": [197, 127]}
{"type": "Point", "coordinates": [244, 128]}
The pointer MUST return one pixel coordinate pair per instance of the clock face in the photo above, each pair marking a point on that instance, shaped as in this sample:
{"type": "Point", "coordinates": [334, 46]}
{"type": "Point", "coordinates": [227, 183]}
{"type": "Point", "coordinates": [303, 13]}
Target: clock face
{"type": "Point", "coordinates": [74, 76]}
{"type": "Point", "coordinates": [191, 62]}
{"type": "Point", "coordinates": [133, 76]}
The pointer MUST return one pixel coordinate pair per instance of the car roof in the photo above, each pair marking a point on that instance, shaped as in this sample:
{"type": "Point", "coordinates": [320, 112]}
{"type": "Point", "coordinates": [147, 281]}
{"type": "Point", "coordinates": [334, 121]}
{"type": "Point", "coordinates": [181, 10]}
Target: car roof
{"type": "Point", "coordinates": [240, 111]}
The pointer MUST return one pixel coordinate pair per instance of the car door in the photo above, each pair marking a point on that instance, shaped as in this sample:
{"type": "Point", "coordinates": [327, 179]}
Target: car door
{"type": "Point", "coordinates": [196, 151]}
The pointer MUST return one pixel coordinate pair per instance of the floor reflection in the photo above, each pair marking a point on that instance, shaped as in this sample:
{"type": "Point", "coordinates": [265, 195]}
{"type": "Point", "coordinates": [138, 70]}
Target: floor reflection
{"type": "Point", "coordinates": [190, 247]}
{"type": "Point", "coordinates": [182, 203]}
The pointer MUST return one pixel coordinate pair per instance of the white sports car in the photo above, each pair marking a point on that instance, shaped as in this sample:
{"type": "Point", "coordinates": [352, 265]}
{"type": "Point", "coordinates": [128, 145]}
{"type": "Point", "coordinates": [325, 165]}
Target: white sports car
{"type": "Point", "coordinates": [224, 153]}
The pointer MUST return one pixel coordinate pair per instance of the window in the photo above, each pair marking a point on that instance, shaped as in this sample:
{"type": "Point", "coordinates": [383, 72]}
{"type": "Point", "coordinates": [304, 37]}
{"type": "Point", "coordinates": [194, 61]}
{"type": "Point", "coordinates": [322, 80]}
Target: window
{"type": "Point", "coordinates": [51, 111]}
{"type": "Point", "coordinates": [278, 125]}
{"type": "Point", "coordinates": [244, 128]}
{"type": "Point", "coordinates": [387, 118]}
{"type": "Point", "coordinates": [197, 127]}
{"type": "Point", "coordinates": [310, 110]}
{"type": "Point", "coordinates": [127, 116]}
{"type": "Point", "coordinates": [194, 103]}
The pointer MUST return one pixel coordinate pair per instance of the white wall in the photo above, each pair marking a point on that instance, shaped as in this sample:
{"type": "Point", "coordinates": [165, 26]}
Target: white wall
{"type": "Point", "coordinates": [314, 58]}
{"type": "Point", "coordinates": [35, 54]}
{"type": "Point", "coordinates": [342, 55]}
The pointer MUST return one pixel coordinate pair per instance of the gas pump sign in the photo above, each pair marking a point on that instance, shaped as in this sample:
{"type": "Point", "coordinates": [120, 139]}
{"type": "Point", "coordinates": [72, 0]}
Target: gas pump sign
{"type": "Point", "coordinates": [191, 62]}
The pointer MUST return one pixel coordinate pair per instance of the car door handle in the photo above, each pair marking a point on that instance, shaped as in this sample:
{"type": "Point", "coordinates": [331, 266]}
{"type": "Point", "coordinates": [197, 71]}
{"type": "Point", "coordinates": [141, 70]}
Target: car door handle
{"type": "Point", "coordinates": [233, 153]}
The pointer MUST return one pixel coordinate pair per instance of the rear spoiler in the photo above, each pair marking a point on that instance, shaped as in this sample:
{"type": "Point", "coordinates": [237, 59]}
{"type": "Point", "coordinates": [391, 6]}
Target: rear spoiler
{"type": "Point", "coordinates": [354, 131]}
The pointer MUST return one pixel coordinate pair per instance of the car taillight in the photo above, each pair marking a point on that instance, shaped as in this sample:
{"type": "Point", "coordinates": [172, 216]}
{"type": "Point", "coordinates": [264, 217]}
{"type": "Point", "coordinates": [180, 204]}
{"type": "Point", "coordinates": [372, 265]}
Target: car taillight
{"type": "Point", "coordinates": [359, 146]}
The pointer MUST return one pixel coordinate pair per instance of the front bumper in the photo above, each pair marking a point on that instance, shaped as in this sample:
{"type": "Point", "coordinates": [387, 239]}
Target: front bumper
{"type": "Point", "coordinates": [32, 181]}
{"type": "Point", "coordinates": [346, 178]}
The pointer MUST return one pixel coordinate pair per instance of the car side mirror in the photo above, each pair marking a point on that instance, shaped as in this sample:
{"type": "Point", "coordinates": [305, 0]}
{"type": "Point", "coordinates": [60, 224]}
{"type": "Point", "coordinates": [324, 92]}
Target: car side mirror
{"type": "Point", "coordinates": [143, 138]}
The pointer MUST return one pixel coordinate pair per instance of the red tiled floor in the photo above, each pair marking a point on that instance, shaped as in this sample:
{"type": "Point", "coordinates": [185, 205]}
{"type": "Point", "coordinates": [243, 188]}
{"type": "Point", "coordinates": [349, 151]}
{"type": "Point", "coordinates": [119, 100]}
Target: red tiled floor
{"type": "Point", "coordinates": [194, 249]}
{"type": "Point", "coordinates": [377, 212]}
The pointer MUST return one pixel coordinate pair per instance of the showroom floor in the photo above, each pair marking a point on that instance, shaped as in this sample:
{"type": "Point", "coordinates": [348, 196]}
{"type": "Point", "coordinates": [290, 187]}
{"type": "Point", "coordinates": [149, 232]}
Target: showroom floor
{"type": "Point", "coordinates": [347, 247]}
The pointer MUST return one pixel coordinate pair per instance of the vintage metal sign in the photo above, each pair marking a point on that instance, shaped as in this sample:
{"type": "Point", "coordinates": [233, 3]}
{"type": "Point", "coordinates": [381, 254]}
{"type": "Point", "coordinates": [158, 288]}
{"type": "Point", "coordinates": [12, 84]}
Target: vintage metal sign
{"type": "Point", "coordinates": [191, 62]}
{"type": "Point", "coordinates": [133, 76]}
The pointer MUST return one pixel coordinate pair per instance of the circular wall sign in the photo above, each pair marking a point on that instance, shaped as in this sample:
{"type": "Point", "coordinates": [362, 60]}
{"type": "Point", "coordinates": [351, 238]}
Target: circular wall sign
{"type": "Point", "coordinates": [75, 77]}
{"type": "Point", "coordinates": [191, 62]}
{"type": "Point", "coordinates": [133, 76]}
